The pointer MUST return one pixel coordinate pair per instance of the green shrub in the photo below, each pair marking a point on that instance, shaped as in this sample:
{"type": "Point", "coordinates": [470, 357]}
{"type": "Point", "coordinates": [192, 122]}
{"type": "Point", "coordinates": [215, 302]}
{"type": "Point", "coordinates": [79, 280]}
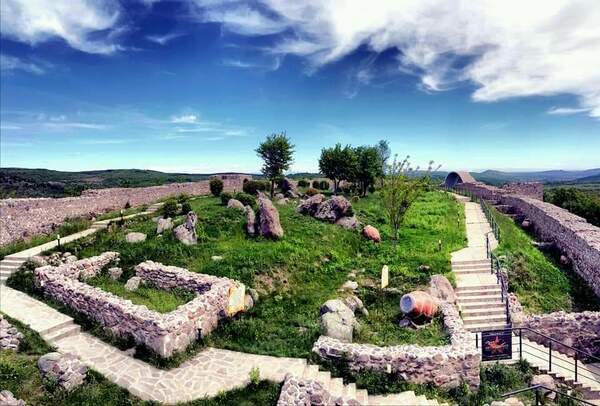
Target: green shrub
{"type": "Point", "coordinates": [186, 207]}
{"type": "Point", "coordinates": [311, 191]}
{"type": "Point", "coordinates": [324, 185]}
{"type": "Point", "coordinates": [183, 197]}
{"type": "Point", "coordinates": [169, 209]}
{"type": "Point", "coordinates": [303, 183]}
{"type": "Point", "coordinates": [127, 205]}
{"type": "Point", "coordinates": [253, 186]}
{"type": "Point", "coordinates": [371, 189]}
{"type": "Point", "coordinates": [355, 199]}
{"type": "Point", "coordinates": [225, 196]}
{"type": "Point", "coordinates": [316, 184]}
{"type": "Point", "coordinates": [216, 187]}
{"type": "Point", "coordinates": [254, 376]}
{"type": "Point", "coordinates": [246, 199]}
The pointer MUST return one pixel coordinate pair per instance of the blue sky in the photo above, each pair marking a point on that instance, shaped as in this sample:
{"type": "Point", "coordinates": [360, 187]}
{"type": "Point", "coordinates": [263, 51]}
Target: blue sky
{"type": "Point", "coordinates": [195, 85]}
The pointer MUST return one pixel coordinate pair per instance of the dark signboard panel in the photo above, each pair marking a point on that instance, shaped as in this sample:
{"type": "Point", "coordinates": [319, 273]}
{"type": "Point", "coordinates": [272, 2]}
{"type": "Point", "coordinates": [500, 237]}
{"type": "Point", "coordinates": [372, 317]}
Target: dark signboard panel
{"type": "Point", "coordinates": [496, 345]}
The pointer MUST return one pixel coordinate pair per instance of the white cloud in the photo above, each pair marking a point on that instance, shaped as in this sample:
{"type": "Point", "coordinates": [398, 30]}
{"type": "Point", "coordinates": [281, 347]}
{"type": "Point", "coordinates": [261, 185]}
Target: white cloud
{"type": "Point", "coordinates": [185, 119]}
{"type": "Point", "coordinates": [163, 39]}
{"type": "Point", "coordinates": [505, 48]}
{"type": "Point", "coordinates": [5, 127]}
{"type": "Point", "coordinates": [75, 21]}
{"type": "Point", "coordinates": [565, 111]}
{"type": "Point", "coordinates": [10, 63]}
{"type": "Point", "coordinates": [61, 125]}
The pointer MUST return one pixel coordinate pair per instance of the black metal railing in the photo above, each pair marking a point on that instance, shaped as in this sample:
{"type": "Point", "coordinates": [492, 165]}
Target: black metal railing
{"type": "Point", "coordinates": [540, 390]}
{"type": "Point", "coordinates": [501, 279]}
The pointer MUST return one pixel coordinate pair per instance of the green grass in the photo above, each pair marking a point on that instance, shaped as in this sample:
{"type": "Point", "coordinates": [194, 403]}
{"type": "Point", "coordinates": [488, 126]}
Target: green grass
{"type": "Point", "coordinates": [117, 213]}
{"type": "Point", "coordinates": [541, 285]}
{"type": "Point", "coordinates": [160, 300]}
{"type": "Point", "coordinates": [70, 226]}
{"type": "Point", "coordinates": [297, 274]}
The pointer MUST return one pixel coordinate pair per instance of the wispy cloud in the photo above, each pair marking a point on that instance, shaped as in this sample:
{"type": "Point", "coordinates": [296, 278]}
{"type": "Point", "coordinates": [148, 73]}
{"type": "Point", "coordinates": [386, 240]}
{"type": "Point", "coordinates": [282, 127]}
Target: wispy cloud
{"type": "Point", "coordinates": [163, 39]}
{"type": "Point", "coordinates": [185, 119]}
{"type": "Point", "coordinates": [540, 51]}
{"type": "Point", "coordinates": [107, 141]}
{"type": "Point", "coordinates": [10, 63]}
{"type": "Point", "coordinates": [272, 65]}
{"type": "Point", "coordinates": [5, 127]}
{"type": "Point", "coordinates": [70, 124]}
{"type": "Point", "coordinates": [89, 26]}
{"type": "Point", "coordinates": [566, 111]}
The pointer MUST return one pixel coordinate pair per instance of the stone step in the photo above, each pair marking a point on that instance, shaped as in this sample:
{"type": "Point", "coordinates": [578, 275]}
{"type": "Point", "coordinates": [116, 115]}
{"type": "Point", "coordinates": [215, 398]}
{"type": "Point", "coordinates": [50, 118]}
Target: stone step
{"type": "Point", "coordinates": [483, 319]}
{"type": "Point", "coordinates": [470, 262]}
{"type": "Point", "coordinates": [477, 300]}
{"type": "Point", "coordinates": [10, 267]}
{"type": "Point", "coordinates": [324, 377]}
{"type": "Point", "coordinates": [6, 273]}
{"type": "Point", "coordinates": [350, 391]}
{"type": "Point", "coordinates": [484, 312]}
{"type": "Point", "coordinates": [67, 331]}
{"type": "Point", "coordinates": [336, 387]}
{"type": "Point", "coordinates": [463, 294]}
{"type": "Point", "coordinates": [11, 262]}
{"type": "Point", "coordinates": [471, 271]}
{"type": "Point", "coordinates": [56, 327]}
{"type": "Point", "coordinates": [487, 326]}
{"type": "Point", "coordinates": [16, 257]}
{"type": "Point", "coordinates": [474, 288]}
{"type": "Point", "coordinates": [310, 372]}
{"type": "Point", "coordinates": [362, 396]}
{"type": "Point", "coordinates": [485, 265]}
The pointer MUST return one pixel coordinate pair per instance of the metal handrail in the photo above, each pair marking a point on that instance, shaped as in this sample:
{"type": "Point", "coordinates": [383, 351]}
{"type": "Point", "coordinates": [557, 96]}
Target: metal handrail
{"type": "Point", "coordinates": [587, 354]}
{"type": "Point", "coordinates": [537, 388]}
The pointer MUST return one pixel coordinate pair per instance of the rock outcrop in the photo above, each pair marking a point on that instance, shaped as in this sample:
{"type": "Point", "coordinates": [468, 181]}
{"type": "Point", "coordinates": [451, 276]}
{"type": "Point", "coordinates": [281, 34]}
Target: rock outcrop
{"type": "Point", "coordinates": [441, 288]}
{"type": "Point", "coordinates": [64, 369]}
{"type": "Point", "coordinates": [337, 320]}
{"type": "Point", "coordinates": [186, 232]}
{"type": "Point", "coordinates": [268, 218]}
{"type": "Point", "coordinates": [333, 209]}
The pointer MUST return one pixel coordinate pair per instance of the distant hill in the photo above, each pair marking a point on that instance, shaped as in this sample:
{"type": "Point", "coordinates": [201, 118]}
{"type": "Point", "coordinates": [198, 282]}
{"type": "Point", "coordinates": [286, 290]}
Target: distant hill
{"type": "Point", "coordinates": [498, 177]}
{"type": "Point", "coordinates": [18, 182]}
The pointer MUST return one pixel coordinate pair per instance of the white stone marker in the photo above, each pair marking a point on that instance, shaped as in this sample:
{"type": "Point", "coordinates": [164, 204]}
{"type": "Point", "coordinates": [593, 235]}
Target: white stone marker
{"type": "Point", "coordinates": [385, 276]}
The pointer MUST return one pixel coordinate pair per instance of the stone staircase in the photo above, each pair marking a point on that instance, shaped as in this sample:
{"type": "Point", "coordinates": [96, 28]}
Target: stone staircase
{"type": "Point", "coordinates": [479, 296]}
{"type": "Point", "coordinates": [349, 392]}
{"type": "Point", "coordinates": [9, 265]}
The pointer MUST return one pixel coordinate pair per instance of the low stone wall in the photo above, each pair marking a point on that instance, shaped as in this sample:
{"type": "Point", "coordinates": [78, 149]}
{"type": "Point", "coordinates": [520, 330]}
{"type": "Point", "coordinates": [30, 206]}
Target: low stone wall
{"type": "Point", "coordinates": [297, 391]}
{"type": "Point", "coordinates": [445, 366]}
{"type": "Point", "coordinates": [24, 218]}
{"type": "Point", "coordinates": [578, 330]}
{"type": "Point", "coordinates": [166, 333]}
{"type": "Point", "coordinates": [534, 190]}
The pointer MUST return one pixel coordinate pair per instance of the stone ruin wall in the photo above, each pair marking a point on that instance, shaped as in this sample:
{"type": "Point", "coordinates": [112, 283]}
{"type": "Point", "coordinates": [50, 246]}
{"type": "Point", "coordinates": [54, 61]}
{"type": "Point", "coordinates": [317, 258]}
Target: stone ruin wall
{"type": "Point", "coordinates": [166, 333]}
{"type": "Point", "coordinates": [445, 366]}
{"type": "Point", "coordinates": [24, 218]}
{"type": "Point", "coordinates": [578, 330]}
{"type": "Point", "coordinates": [577, 239]}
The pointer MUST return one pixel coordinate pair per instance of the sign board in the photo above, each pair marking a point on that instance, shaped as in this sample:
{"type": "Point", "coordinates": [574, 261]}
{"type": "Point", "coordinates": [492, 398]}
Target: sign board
{"type": "Point", "coordinates": [385, 276]}
{"type": "Point", "coordinates": [496, 345]}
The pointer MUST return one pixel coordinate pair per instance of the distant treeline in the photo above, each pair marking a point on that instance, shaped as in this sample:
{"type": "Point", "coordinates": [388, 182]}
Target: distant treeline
{"type": "Point", "coordinates": [579, 202]}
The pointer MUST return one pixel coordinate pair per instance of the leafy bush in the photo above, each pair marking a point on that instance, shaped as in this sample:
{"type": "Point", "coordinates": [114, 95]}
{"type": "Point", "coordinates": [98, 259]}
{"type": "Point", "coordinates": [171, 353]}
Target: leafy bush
{"type": "Point", "coordinates": [183, 197]}
{"type": "Point", "coordinates": [169, 209]}
{"type": "Point", "coordinates": [246, 199]}
{"type": "Point", "coordinates": [127, 205]}
{"type": "Point", "coordinates": [225, 196]}
{"type": "Point", "coordinates": [303, 183]}
{"type": "Point", "coordinates": [254, 376]}
{"type": "Point", "coordinates": [578, 202]}
{"type": "Point", "coordinates": [216, 187]}
{"type": "Point", "coordinates": [372, 189]}
{"type": "Point", "coordinates": [316, 184]}
{"type": "Point", "coordinates": [311, 191]}
{"type": "Point", "coordinates": [186, 207]}
{"type": "Point", "coordinates": [324, 185]}
{"type": "Point", "coordinates": [253, 186]}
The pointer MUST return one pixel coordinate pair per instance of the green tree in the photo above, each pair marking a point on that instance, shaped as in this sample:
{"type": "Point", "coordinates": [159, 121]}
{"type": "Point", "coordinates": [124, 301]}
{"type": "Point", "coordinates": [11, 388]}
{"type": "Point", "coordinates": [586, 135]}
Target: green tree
{"type": "Point", "coordinates": [368, 167]}
{"type": "Point", "coordinates": [337, 164]}
{"type": "Point", "coordinates": [277, 153]}
{"type": "Point", "coordinates": [401, 188]}
{"type": "Point", "coordinates": [383, 148]}
{"type": "Point", "coordinates": [216, 187]}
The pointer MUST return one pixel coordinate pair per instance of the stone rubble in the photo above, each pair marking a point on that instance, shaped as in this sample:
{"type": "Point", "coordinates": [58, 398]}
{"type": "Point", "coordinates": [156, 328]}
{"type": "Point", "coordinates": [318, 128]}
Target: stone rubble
{"type": "Point", "coordinates": [235, 204]}
{"type": "Point", "coordinates": [135, 237]}
{"type": "Point", "coordinates": [10, 337]}
{"type": "Point", "coordinates": [66, 370]}
{"type": "Point", "coordinates": [164, 224]}
{"type": "Point", "coordinates": [115, 272]}
{"type": "Point", "coordinates": [133, 283]}
{"type": "Point", "coordinates": [309, 392]}
{"type": "Point", "coordinates": [8, 399]}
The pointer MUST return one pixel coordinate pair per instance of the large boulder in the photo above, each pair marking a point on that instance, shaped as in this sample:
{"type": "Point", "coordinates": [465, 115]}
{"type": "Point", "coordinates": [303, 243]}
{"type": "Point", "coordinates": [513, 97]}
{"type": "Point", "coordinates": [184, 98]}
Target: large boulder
{"type": "Point", "coordinates": [186, 232]}
{"type": "Point", "coordinates": [250, 221]}
{"type": "Point", "coordinates": [311, 205]}
{"type": "Point", "coordinates": [8, 399]}
{"type": "Point", "coordinates": [337, 320]}
{"type": "Point", "coordinates": [333, 209]}
{"type": "Point", "coordinates": [288, 186]}
{"type": "Point", "coordinates": [115, 272]}
{"type": "Point", "coordinates": [546, 381]}
{"type": "Point", "coordinates": [135, 237]}
{"type": "Point", "coordinates": [10, 337]}
{"type": "Point", "coordinates": [371, 233]}
{"type": "Point", "coordinates": [269, 224]}
{"type": "Point", "coordinates": [349, 223]}
{"type": "Point", "coordinates": [133, 283]}
{"type": "Point", "coordinates": [235, 204]}
{"type": "Point", "coordinates": [163, 225]}
{"type": "Point", "coordinates": [64, 369]}
{"type": "Point", "coordinates": [441, 288]}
